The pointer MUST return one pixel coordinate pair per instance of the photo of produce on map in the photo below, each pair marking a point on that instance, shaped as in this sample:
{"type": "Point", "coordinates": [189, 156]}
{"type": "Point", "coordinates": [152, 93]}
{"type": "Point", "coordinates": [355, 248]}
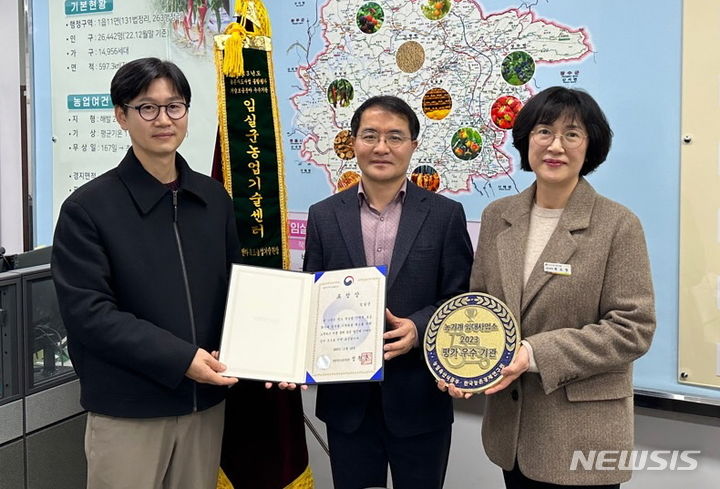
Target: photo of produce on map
{"type": "Point", "coordinates": [340, 92]}
{"type": "Point", "coordinates": [466, 143]}
{"type": "Point", "coordinates": [518, 68]}
{"type": "Point", "coordinates": [436, 104]}
{"type": "Point", "coordinates": [427, 177]}
{"type": "Point", "coordinates": [370, 18]}
{"type": "Point", "coordinates": [435, 9]}
{"type": "Point", "coordinates": [504, 111]}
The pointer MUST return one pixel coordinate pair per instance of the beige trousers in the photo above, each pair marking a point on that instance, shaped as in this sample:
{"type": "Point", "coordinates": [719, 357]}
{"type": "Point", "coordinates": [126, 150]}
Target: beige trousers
{"type": "Point", "coordinates": [174, 452]}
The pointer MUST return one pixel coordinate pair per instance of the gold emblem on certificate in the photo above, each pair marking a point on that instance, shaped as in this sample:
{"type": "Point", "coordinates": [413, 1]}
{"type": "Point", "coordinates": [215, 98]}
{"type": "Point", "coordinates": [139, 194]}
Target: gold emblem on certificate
{"type": "Point", "coordinates": [470, 339]}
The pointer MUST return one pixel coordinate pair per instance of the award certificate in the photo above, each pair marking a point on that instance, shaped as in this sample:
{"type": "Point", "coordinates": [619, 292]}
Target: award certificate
{"type": "Point", "coordinates": [304, 328]}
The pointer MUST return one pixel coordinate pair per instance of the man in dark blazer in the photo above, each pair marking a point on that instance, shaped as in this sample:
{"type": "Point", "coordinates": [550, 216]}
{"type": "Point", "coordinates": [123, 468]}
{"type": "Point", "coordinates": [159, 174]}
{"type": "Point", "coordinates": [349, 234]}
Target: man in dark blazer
{"type": "Point", "coordinates": [422, 238]}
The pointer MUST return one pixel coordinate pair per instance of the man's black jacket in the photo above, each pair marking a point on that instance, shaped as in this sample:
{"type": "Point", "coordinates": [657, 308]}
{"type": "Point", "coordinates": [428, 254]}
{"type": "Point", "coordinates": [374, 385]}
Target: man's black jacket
{"type": "Point", "coordinates": [132, 261]}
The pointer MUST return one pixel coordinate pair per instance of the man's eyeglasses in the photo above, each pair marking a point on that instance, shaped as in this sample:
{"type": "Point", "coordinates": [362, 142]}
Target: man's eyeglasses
{"type": "Point", "coordinates": [392, 140]}
{"type": "Point", "coordinates": [545, 137]}
{"type": "Point", "coordinates": [150, 112]}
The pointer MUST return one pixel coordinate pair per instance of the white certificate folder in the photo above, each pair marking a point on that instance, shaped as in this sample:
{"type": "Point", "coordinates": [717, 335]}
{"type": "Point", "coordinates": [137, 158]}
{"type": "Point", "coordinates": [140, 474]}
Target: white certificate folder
{"type": "Point", "coordinates": [304, 328]}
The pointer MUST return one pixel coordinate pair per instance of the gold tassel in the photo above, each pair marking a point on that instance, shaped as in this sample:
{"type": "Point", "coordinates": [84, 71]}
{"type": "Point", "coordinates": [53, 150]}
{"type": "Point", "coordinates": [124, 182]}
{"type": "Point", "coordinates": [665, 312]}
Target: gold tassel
{"type": "Point", "coordinates": [250, 13]}
{"type": "Point", "coordinates": [233, 62]}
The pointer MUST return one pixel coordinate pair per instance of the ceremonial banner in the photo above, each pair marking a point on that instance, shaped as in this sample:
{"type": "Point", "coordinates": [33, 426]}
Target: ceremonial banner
{"type": "Point", "coordinates": [264, 443]}
{"type": "Point", "coordinates": [250, 145]}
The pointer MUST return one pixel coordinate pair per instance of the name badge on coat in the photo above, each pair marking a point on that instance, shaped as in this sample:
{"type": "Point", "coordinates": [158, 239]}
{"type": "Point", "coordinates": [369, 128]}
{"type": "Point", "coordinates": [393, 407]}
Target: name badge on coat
{"type": "Point", "coordinates": [558, 268]}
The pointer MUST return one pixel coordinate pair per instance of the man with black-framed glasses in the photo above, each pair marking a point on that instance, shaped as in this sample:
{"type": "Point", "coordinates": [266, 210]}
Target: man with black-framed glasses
{"type": "Point", "coordinates": [422, 238]}
{"type": "Point", "coordinates": [141, 262]}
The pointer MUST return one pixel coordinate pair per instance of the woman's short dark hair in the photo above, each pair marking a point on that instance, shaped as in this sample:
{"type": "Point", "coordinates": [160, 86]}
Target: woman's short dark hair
{"type": "Point", "coordinates": [390, 104]}
{"type": "Point", "coordinates": [135, 77]}
{"type": "Point", "coordinates": [553, 103]}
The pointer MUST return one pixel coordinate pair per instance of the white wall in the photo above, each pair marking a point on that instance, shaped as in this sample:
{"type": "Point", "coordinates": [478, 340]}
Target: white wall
{"type": "Point", "coordinates": [11, 223]}
{"type": "Point", "coordinates": [469, 467]}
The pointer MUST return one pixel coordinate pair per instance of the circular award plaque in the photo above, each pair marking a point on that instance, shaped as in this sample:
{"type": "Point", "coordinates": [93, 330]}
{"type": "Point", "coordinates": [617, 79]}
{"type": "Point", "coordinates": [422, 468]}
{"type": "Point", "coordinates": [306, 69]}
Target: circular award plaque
{"type": "Point", "coordinates": [469, 340]}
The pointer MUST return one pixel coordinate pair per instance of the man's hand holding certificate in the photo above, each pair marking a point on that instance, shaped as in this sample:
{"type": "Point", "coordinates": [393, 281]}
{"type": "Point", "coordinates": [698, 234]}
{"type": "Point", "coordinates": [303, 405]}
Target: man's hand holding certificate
{"type": "Point", "coordinates": [284, 326]}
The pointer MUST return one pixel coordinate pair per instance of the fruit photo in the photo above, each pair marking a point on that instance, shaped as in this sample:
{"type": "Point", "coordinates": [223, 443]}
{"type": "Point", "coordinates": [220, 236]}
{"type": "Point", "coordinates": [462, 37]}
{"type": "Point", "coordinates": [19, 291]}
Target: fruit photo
{"type": "Point", "coordinates": [466, 143]}
{"type": "Point", "coordinates": [370, 18]}
{"type": "Point", "coordinates": [427, 177]}
{"type": "Point", "coordinates": [435, 9]}
{"type": "Point", "coordinates": [504, 110]}
{"type": "Point", "coordinates": [347, 180]}
{"type": "Point", "coordinates": [340, 92]}
{"type": "Point", "coordinates": [518, 68]}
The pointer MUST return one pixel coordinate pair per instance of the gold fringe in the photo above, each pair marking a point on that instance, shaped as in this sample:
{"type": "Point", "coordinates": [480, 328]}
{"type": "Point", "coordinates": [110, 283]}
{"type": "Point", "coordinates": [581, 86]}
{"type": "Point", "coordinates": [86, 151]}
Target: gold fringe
{"type": "Point", "coordinates": [223, 482]}
{"type": "Point", "coordinates": [223, 123]}
{"type": "Point", "coordinates": [304, 480]}
{"type": "Point", "coordinates": [280, 166]}
{"type": "Point", "coordinates": [255, 12]}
